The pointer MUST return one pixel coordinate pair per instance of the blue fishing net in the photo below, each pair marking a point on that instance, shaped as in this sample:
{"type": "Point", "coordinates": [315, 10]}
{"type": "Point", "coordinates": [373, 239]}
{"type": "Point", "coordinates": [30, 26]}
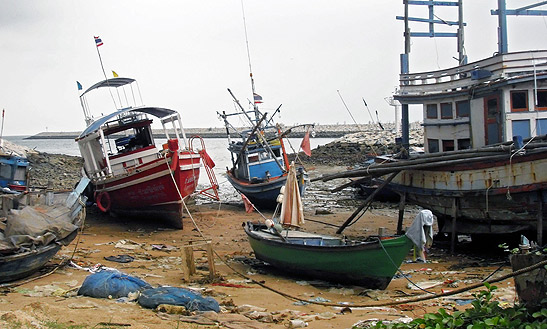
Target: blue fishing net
{"type": "Point", "coordinates": [193, 301]}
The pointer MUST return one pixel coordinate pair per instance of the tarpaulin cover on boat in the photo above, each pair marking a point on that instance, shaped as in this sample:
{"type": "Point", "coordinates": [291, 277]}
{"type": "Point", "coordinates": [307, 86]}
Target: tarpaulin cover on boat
{"type": "Point", "coordinates": [38, 226]}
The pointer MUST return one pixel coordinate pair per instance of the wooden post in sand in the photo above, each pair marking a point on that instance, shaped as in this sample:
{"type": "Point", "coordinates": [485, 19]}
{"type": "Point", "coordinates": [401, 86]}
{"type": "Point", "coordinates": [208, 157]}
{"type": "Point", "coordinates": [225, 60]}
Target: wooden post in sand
{"type": "Point", "coordinates": [188, 264]}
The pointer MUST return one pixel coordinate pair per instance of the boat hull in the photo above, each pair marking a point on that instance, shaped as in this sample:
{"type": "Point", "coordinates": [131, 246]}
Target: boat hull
{"type": "Point", "coordinates": [263, 195]}
{"type": "Point", "coordinates": [364, 264]}
{"type": "Point", "coordinates": [498, 197]}
{"type": "Point", "coordinates": [18, 266]}
{"type": "Point", "coordinates": [153, 190]}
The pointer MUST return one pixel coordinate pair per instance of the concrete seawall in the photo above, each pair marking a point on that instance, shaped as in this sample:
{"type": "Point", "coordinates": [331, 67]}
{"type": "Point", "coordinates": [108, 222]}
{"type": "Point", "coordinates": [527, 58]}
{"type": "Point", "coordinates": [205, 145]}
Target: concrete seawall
{"type": "Point", "coordinates": [329, 130]}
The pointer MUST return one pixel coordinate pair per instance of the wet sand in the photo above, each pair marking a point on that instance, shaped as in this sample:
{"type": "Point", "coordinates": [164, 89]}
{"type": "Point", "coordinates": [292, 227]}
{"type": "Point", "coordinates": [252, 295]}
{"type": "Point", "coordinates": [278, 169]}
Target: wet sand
{"type": "Point", "coordinates": [157, 253]}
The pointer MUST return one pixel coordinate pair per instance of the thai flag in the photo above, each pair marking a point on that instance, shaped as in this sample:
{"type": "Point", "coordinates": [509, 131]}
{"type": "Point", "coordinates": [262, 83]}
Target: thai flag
{"type": "Point", "coordinates": [257, 98]}
{"type": "Point", "coordinates": [98, 41]}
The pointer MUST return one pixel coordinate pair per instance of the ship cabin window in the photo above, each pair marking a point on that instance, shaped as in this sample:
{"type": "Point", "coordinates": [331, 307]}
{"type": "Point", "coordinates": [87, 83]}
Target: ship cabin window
{"type": "Point", "coordinates": [541, 127]}
{"type": "Point", "coordinates": [20, 173]}
{"type": "Point", "coordinates": [5, 171]}
{"type": "Point", "coordinates": [542, 100]}
{"type": "Point", "coordinates": [431, 111]}
{"type": "Point", "coordinates": [446, 111]}
{"type": "Point", "coordinates": [276, 152]}
{"type": "Point", "coordinates": [448, 145]}
{"type": "Point", "coordinates": [463, 109]}
{"type": "Point", "coordinates": [433, 145]}
{"type": "Point", "coordinates": [521, 128]}
{"type": "Point", "coordinates": [464, 144]}
{"type": "Point", "coordinates": [253, 158]}
{"type": "Point", "coordinates": [519, 100]}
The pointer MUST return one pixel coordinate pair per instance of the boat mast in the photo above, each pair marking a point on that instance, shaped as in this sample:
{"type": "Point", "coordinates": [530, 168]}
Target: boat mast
{"type": "Point", "coordinates": [431, 20]}
{"type": "Point", "coordinates": [257, 112]}
{"type": "Point", "coordinates": [502, 13]}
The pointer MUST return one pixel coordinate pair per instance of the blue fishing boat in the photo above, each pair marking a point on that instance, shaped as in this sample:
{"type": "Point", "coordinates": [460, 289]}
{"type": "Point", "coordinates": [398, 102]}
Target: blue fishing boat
{"type": "Point", "coordinates": [259, 160]}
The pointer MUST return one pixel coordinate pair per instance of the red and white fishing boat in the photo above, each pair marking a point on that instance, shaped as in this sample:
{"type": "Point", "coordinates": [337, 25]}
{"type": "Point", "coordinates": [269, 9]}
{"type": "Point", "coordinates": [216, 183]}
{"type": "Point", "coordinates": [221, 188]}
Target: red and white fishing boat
{"type": "Point", "coordinates": [130, 175]}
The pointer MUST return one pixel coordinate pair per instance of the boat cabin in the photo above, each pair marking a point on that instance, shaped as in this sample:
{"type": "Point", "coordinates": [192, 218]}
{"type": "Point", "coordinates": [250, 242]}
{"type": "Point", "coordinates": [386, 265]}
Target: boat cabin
{"type": "Point", "coordinates": [13, 172]}
{"type": "Point", "coordinates": [259, 162]}
{"type": "Point", "coordinates": [481, 103]}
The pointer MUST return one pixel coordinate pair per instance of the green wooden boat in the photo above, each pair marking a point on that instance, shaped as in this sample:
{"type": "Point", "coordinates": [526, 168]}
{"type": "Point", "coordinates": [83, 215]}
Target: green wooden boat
{"type": "Point", "coordinates": [371, 263]}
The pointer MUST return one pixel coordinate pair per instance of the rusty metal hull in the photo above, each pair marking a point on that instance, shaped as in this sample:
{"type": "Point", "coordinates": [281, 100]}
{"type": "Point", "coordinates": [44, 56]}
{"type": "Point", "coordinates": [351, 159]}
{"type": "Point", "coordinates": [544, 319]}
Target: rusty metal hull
{"type": "Point", "coordinates": [491, 197]}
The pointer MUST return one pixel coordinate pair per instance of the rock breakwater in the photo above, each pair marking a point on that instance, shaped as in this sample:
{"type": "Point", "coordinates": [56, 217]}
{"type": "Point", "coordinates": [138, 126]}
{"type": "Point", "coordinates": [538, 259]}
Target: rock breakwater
{"type": "Point", "coordinates": [355, 148]}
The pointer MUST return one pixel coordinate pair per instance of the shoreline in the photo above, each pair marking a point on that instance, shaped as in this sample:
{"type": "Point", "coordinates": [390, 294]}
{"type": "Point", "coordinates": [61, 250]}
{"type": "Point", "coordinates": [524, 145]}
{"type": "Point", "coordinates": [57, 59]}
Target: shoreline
{"type": "Point", "coordinates": [320, 131]}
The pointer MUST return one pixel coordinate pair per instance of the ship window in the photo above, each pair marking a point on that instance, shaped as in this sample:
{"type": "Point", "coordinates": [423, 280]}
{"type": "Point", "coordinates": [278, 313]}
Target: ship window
{"type": "Point", "coordinates": [448, 145]}
{"type": "Point", "coordinates": [5, 171]}
{"type": "Point", "coordinates": [521, 128]}
{"type": "Point", "coordinates": [542, 100]}
{"type": "Point", "coordinates": [431, 111]}
{"type": "Point", "coordinates": [541, 127]}
{"type": "Point", "coordinates": [463, 109]}
{"type": "Point", "coordinates": [519, 100]}
{"type": "Point", "coordinates": [464, 144]}
{"type": "Point", "coordinates": [20, 173]}
{"type": "Point", "coordinates": [446, 111]}
{"type": "Point", "coordinates": [253, 158]}
{"type": "Point", "coordinates": [433, 145]}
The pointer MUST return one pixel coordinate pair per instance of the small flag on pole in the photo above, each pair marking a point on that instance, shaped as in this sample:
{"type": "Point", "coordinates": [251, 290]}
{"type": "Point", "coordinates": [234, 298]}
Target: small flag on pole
{"type": "Point", "coordinates": [305, 145]}
{"type": "Point", "coordinates": [257, 98]}
{"type": "Point", "coordinates": [114, 74]}
{"type": "Point", "coordinates": [248, 205]}
{"type": "Point", "coordinates": [79, 85]}
{"type": "Point", "coordinates": [98, 41]}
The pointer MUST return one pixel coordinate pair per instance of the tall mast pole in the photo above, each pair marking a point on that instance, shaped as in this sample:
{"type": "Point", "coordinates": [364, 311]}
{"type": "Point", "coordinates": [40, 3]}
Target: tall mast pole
{"type": "Point", "coordinates": [257, 113]}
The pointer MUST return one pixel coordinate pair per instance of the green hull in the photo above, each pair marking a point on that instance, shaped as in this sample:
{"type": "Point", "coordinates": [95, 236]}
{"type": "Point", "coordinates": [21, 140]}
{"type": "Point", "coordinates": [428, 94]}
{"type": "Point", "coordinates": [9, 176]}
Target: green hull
{"type": "Point", "coordinates": [365, 264]}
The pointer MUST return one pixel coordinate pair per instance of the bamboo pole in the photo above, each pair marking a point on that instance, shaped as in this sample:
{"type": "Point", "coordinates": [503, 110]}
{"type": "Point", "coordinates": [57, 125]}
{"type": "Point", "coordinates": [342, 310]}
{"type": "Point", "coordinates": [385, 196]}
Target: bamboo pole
{"type": "Point", "coordinates": [366, 203]}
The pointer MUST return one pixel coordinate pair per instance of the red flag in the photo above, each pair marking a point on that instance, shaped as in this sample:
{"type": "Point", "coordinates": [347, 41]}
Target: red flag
{"type": "Point", "coordinates": [305, 145]}
{"type": "Point", "coordinates": [248, 205]}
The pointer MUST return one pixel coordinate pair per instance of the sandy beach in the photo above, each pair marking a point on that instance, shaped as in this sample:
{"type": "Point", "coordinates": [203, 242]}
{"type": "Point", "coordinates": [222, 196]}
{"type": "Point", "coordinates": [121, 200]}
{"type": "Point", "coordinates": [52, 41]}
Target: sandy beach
{"type": "Point", "coordinates": [156, 251]}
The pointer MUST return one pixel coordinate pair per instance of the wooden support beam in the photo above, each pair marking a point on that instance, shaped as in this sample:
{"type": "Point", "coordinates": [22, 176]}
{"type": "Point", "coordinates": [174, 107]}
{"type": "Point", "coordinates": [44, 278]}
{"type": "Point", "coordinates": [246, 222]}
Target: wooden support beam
{"type": "Point", "coordinates": [540, 219]}
{"type": "Point", "coordinates": [210, 260]}
{"type": "Point", "coordinates": [402, 204]}
{"type": "Point", "coordinates": [454, 235]}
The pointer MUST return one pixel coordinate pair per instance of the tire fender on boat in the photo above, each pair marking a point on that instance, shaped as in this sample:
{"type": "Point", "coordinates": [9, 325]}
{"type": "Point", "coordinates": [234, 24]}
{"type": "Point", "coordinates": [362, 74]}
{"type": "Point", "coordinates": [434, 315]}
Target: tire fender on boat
{"type": "Point", "coordinates": [103, 201]}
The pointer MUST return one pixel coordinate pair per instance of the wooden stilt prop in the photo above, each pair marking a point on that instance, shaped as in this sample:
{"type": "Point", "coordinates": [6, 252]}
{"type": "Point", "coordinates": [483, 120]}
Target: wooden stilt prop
{"type": "Point", "coordinates": [402, 204]}
{"type": "Point", "coordinates": [454, 235]}
{"type": "Point", "coordinates": [540, 219]}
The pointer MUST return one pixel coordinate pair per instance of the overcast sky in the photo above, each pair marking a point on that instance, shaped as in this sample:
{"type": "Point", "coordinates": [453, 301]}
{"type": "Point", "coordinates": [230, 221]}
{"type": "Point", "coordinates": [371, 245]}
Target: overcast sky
{"type": "Point", "coordinates": [185, 54]}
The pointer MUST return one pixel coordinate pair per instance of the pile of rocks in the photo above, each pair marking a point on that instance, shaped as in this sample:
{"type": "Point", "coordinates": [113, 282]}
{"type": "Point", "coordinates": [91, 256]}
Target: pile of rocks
{"type": "Point", "coordinates": [356, 148]}
{"type": "Point", "coordinates": [56, 171]}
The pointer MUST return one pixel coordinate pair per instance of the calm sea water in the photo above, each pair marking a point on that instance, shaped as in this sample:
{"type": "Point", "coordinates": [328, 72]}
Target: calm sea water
{"type": "Point", "coordinates": [216, 148]}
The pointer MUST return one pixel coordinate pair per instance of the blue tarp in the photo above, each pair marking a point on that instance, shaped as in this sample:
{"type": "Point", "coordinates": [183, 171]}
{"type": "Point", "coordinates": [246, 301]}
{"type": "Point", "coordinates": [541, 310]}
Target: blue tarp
{"type": "Point", "coordinates": [111, 284]}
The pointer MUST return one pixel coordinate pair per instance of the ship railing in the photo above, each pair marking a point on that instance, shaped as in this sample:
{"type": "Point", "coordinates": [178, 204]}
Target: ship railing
{"type": "Point", "coordinates": [176, 128]}
{"type": "Point", "coordinates": [502, 66]}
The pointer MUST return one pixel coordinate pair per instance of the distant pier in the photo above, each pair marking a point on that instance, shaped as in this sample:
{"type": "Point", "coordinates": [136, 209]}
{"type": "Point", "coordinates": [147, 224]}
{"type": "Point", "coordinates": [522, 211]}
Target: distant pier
{"type": "Point", "coordinates": [327, 131]}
